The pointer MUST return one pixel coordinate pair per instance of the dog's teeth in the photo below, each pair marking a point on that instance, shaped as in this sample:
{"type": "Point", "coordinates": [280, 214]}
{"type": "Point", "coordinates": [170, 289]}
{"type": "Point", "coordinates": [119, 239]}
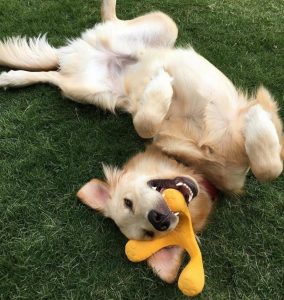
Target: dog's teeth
{"type": "Point", "coordinates": [154, 188]}
{"type": "Point", "coordinates": [190, 197]}
{"type": "Point", "coordinates": [189, 191]}
{"type": "Point", "coordinates": [187, 187]}
{"type": "Point", "coordinates": [176, 214]}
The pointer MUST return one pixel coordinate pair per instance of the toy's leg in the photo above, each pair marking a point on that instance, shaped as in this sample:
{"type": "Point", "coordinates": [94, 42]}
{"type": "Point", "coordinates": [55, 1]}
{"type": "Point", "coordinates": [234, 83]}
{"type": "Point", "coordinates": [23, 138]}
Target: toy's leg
{"type": "Point", "coordinates": [191, 280]}
{"type": "Point", "coordinates": [137, 251]}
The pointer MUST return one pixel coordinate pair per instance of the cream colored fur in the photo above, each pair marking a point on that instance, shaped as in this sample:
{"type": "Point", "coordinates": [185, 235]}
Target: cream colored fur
{"type": "Point", "coordinates": [190, 109]}
{"type": "Point", "coordinates": [28, 54]}
{"type": "Point", "coordinates": [178, 98]}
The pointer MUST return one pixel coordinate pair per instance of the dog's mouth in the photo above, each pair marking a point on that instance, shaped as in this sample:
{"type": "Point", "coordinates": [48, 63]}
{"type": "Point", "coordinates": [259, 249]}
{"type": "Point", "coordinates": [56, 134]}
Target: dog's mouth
{"type": "Point", "coordinates": [185, 185]}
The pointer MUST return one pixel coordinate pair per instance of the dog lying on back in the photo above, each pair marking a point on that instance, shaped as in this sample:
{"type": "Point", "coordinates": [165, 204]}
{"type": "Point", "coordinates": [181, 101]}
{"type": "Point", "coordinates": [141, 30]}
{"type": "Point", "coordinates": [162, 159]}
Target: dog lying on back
{"type": "Point", "coordinates": [205, 131]}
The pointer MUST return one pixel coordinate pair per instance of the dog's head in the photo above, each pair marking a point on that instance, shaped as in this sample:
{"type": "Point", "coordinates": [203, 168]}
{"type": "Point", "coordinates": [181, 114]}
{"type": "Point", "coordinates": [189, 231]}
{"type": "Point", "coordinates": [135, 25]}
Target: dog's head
{"type": "Point", "coordinates": [132, 197]}
{"type": "Point", "coordinates": [135, 202]}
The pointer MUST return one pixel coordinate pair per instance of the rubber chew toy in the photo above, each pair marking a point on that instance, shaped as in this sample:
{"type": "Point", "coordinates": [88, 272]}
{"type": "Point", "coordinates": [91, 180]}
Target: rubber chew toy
{"type": "Point", "coordinates": [191, 280]}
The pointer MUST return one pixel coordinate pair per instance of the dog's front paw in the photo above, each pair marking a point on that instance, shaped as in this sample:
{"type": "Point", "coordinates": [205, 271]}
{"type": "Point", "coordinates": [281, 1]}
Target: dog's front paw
{"type": "Point", "coordinates": [159, 92]}
{"type": "Point", "coordinates": [163, 76]}
{"type": "Point", "coordinates": [161, 83]}
{"type": "Point", "coordinates": [154, 105]}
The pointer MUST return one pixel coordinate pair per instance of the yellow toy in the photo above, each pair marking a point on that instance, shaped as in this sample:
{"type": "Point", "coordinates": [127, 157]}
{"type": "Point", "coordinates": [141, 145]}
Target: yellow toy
{"type": "Point", "coordinates": [191, 280]}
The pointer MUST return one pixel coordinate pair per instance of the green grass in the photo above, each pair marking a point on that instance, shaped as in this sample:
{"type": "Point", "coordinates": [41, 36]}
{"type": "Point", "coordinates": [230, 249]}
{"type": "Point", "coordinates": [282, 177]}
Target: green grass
{"type": "Point", "coordinates": [53, 247]}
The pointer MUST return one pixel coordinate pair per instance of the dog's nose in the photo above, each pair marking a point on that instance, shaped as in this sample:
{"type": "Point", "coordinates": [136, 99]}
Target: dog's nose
{"type": "Point", "coordinates": [160, 221]}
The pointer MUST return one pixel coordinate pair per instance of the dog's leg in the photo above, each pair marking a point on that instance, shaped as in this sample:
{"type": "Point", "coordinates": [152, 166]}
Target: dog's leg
{"type": "Point", "coordinates": [153, 30]}
{"type": "Point", "coordinates": [71, 88]}
{"type": "Point", "coordinates": [25, 78]}
{"type": "Point", "coordinates": [154, 105]}
{"type": "Point", "coordinates": [262, 144]}
{"type": "Point", "coordinates": [108, 12]}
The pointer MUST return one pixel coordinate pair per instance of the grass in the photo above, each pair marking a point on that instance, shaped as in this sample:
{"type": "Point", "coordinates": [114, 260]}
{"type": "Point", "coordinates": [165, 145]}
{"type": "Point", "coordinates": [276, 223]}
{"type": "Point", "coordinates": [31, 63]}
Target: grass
{"type": "Point", "coordinates": [53, 247]}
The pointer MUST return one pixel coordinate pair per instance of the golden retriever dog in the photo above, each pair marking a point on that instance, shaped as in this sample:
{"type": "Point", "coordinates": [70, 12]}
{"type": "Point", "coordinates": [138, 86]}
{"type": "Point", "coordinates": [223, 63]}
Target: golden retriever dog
{"type": "Point", "coordinates": [205, 132]}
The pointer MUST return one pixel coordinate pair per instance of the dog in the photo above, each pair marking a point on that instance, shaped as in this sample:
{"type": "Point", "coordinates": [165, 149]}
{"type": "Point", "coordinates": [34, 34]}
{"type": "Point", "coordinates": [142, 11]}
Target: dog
{"type": "Point", "coordinates": [206, 134]}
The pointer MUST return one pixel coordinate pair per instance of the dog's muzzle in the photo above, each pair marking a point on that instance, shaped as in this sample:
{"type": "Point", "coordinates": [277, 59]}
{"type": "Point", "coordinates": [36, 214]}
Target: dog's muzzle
{"type": "Point", "coordinates": [161, 217]}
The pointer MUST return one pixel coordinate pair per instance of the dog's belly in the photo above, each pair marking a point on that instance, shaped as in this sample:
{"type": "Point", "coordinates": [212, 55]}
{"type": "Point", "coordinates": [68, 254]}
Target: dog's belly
{"type": "Point", "coordinates": [91, 68]}
{"type": "Point", "coordinates": [196, 83]}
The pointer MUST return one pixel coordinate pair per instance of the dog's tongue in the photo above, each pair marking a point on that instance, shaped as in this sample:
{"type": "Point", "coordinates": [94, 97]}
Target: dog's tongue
{"type": "Point", "coordinates": [166, 263]}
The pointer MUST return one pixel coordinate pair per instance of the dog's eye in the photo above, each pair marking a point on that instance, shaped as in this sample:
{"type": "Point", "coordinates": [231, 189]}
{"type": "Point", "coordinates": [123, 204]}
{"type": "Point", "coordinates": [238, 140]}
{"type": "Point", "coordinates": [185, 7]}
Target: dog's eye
{"type": "Point", "coordinates": [128, 203]}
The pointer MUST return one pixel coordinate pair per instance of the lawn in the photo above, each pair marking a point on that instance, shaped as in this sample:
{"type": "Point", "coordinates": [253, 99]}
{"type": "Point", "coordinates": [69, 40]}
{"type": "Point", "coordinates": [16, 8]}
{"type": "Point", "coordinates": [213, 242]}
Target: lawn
{"type": "Point", "coordinates": [53, 247]}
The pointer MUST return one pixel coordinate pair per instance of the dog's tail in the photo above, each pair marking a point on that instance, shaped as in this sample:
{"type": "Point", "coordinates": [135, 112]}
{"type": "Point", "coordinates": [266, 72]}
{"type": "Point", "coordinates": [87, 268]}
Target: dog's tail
{"type": "Point", "coordinates": [28, 53]}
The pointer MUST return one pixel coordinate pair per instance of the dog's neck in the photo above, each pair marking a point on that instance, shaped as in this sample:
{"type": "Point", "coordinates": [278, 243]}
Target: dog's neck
{"type": "Point", "coordinates": [210, 189]}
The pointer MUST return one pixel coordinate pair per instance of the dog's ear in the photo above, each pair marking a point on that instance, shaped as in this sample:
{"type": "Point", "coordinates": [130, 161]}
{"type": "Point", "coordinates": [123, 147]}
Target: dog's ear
{"type": "Point", "coordinates": [166, 263]}
{"type": "Point", "coordinates": [95, 194]}
{"type": "Point", "coordinates": [112, 175]}
{"type": "Point", "coordinates": [262, 144]}
{"type": "Point", "coordinates": [265, 99]}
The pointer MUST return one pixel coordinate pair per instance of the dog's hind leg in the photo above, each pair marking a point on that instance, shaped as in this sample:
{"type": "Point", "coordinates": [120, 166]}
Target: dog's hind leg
{"type": "Point", "coordinates": [71, 88]}
{"type": "Point", "coordinates": [108, 12]}
{"type": "Point", "coordinates": [152, 30]}
{"type": "Point", "coordinates": [24, 78]}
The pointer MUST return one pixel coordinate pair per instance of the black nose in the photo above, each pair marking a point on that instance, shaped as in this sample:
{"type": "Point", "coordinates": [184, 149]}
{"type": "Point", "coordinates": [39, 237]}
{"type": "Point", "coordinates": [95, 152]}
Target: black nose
{"type": "Point", "coordinates": [160, 221]}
